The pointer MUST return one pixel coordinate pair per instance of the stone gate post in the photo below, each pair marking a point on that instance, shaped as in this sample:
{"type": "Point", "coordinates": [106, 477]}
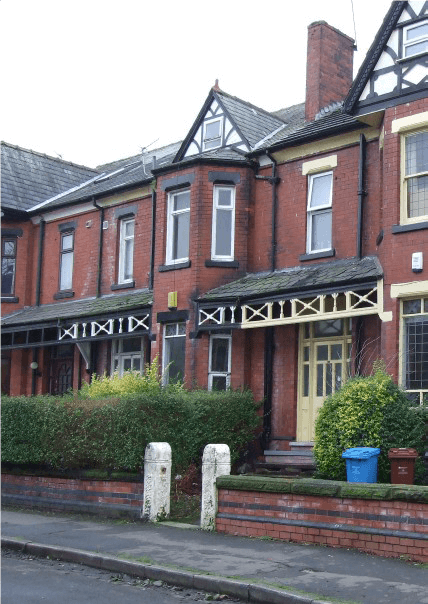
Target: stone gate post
{"type": "Point", "coordinates": [157, 482]}
{"type": "Point", "coordinates": [215, 462]}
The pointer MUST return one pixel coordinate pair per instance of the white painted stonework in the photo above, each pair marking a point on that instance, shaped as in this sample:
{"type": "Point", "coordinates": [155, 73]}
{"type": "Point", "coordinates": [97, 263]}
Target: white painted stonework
{"type": "Point", "coordinates": [157, 482]}
{"type": "Point", "coordinates": [215, 462]}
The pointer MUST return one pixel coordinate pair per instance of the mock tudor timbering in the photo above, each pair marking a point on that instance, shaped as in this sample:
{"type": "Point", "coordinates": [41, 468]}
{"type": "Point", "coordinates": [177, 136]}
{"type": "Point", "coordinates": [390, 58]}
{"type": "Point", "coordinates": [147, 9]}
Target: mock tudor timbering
{"type": "Point", "coordinates": [281, 251]}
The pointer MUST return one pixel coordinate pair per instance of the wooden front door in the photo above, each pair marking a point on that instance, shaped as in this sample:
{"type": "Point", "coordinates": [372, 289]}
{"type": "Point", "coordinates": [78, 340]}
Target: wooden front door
{"type": "Point", "coordinates": [324, 351]}
{"type": "Point", "coordinates": [61, 374]}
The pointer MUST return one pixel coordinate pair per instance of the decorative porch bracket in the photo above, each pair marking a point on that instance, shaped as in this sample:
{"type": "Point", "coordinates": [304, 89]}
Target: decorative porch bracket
{"type": "Point", "coordinates": [336, 305]}
{"type": "Point", "coordinates": [109, 326]}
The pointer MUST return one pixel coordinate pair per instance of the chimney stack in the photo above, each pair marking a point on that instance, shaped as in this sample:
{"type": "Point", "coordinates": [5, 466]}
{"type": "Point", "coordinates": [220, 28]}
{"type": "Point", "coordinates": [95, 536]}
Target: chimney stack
{"type": "Point", "coordinates": [328, 68]}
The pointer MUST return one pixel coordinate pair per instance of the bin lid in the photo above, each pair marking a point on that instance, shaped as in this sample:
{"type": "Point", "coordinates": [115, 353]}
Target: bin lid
{"type": "Point", "coordinates": [402, 453]}
{"type": "Point", "coordinates": [360, 452]}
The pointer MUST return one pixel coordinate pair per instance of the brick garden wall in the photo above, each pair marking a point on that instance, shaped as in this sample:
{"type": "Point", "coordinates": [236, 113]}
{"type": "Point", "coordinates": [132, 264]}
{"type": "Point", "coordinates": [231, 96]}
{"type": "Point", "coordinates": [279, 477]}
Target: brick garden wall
{"type": "Point", "coordinates": [390, 528]}
{"type": "Point", "coordinates": [105, 497]}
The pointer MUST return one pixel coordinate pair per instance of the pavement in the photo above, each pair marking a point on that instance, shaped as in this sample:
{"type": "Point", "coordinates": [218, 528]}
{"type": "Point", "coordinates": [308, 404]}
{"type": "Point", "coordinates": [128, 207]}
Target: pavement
{"type": "Point", "coordinates": [253, 569]}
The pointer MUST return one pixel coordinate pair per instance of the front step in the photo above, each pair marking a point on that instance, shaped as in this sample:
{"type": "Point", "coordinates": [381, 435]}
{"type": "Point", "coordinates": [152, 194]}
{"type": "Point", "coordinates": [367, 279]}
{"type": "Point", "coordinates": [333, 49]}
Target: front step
{"type": "Point", "coordinates": [299, 460]}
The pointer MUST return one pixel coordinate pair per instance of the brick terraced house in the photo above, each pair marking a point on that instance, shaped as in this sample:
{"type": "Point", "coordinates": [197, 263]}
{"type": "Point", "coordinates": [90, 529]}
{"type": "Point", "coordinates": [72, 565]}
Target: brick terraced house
{"type": "Point", "coordinates": [279, 251]}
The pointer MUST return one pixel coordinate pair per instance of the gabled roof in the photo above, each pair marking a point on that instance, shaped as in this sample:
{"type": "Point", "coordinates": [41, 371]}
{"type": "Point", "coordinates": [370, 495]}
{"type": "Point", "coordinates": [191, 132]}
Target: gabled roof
{"type": "Point", "coordinates": [115, 176]}
{"type": "Point", "coordinates": [75, 309]}
{"type": "Point", "coordinates": [378, 46]}
{"type": "Point", "coordinates": [253, 123]}
{"type": "Point", "coordinates": [28, 177]}
{"type": "Point", "coordinates": [326, 276]}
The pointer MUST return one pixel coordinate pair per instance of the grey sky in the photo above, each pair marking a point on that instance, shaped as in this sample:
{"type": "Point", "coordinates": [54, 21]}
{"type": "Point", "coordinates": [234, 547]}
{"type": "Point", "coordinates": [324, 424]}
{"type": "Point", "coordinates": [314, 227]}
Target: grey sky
{"type": "Point", "coordinates": [96, 80]}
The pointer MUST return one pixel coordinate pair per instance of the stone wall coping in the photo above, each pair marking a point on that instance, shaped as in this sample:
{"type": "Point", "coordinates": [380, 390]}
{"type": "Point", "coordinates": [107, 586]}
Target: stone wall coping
{"type": "Point", "coordinates": [325, 488]}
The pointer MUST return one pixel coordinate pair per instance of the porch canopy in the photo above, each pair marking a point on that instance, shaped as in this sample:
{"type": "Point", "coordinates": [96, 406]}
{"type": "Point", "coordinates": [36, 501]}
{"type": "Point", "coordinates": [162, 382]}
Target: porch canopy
{"type": "Point", "coordinates": [329, 290]}
{"type": "Point", "coordinates": [87, 320]}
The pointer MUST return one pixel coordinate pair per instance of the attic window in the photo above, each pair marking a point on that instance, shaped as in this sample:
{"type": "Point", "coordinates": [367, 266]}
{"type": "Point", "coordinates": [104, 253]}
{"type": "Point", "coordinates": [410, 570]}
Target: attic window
{"type": "Point", "coordinates": [212, 134]}
{"type": "Point", "coordinates": [415, 39]}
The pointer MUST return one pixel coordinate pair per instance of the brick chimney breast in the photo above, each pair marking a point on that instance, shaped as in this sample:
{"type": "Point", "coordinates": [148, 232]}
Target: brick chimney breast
{"type": "Point", "coordinates": [328, 68]}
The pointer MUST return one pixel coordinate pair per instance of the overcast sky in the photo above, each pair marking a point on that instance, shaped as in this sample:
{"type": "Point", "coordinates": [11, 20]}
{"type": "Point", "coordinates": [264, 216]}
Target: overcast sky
{"type": "Point", "coordinates": [96, 80]}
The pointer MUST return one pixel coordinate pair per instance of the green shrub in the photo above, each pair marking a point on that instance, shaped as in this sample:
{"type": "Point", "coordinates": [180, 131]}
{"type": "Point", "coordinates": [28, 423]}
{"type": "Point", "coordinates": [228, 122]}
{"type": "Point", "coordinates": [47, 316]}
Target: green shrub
{"type": "Point", "coordinates": [68, 433]}
{"type": "Point", "coordinates": [366, 412]}
{"type": "Point", "coordinates": [131, 382]}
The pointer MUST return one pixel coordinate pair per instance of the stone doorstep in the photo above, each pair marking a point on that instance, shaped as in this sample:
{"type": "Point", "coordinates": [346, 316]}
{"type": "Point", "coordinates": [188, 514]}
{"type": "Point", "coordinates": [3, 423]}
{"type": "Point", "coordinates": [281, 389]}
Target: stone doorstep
{"type": "Point", "coordinates": [302, 446]}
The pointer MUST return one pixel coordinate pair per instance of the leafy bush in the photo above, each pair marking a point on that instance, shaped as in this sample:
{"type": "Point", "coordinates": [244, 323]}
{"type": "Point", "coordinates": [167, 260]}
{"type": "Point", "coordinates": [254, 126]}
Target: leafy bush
{"type": "Point", "coordinates": [366, 412]}
{"type": "Point", "coordinates": [130, 382]}
{"type": "Point", "coordinates": [67, 433]}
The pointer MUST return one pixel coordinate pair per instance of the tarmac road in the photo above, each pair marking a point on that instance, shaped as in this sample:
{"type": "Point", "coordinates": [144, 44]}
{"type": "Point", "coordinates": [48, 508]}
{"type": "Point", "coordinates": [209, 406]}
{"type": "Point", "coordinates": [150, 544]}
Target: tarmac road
{"type": "Point", "coordinates": [314, 572]}
{"type": "Point", "coordinates": [36, 580]}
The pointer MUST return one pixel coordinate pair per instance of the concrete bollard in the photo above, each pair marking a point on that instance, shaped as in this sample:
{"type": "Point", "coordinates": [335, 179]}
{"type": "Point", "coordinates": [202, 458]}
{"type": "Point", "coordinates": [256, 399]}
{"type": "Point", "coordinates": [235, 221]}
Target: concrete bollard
{"type": "Point", "coordinates": [157, 482]}
{"type": "Point", "coordinates": [215, 462]}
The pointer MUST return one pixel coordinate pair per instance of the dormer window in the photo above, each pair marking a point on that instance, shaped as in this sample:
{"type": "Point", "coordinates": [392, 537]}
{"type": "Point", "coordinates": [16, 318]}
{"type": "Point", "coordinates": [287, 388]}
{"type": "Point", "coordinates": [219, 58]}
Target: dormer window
{"type": "Point", "coordinates": [212, 134]}
{"type": "Point", "coordinates": [415, 39]}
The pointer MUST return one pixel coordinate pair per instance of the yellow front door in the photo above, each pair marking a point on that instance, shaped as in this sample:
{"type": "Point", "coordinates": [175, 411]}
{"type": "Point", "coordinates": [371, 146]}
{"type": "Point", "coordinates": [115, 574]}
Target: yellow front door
{"type": "Point", "coordinates": [324, 352]}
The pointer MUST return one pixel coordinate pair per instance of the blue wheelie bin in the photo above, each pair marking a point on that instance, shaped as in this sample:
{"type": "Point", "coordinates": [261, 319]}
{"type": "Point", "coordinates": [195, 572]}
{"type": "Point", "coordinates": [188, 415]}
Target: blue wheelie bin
{"type": "Point", "coordinates": [361, 464]}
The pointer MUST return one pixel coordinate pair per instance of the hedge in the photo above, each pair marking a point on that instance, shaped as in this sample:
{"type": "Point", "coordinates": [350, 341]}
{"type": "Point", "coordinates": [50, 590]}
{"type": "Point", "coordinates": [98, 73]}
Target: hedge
{"type": "Point", "coordinates": [66, 433]}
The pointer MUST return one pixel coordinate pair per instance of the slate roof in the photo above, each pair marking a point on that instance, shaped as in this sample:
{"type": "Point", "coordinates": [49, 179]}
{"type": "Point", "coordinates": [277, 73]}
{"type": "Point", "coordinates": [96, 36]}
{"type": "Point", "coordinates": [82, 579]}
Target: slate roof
{"type": "Point", "coordinates": [74, 309]}
{"type": "Point", "coordinates": [326, 276]}
{"type": "Point", "coordinates": [116, 176]}
{"type": "Point", "coordinates": [329, 124]}
{"type": "Point", "coordinates": [28, 177]}
{"type": "Point", "coordinates": [255, 123]}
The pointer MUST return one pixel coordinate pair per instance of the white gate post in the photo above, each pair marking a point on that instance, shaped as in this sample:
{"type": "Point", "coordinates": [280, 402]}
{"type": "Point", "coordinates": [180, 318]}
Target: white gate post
{"type": "Point", "coordinates": [157, 481]}
{"type": "Point", "coordinates": [215, 462]}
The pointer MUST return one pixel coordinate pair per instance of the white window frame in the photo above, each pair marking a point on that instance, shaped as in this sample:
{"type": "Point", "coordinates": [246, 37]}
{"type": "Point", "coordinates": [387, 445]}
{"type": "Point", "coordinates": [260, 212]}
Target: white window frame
{"type": "Point", "coordinates": [165, 353]}
{"type": "Point", "coordinates": [409, 43]}
{"type": "Point", "coordinates": [212, 374]}
{"type": "Point", "coordinates": [170, 226]}
{"type": "Point", "coordinates": [207, 141]}
{"type": "Point", "coordinates": [231, 208]}
{"type": "Point", "coordinates": [324, 209]}
{"type": "Point", "coordinates": [405, 218]}
{"type": "Point", "coordinates": [118, 355]}
{"type": "Point", "coordinates": [66, 284]}
{"type": "Point", "coordinates": [123, 242]}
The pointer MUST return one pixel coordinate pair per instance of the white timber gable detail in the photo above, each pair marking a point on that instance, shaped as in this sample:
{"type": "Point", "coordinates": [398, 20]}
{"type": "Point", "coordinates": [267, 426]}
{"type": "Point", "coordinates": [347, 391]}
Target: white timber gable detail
{"type": "Point", "coordinates": [215, 131]}
{"type": "Point", "coordinates": [402, 67]}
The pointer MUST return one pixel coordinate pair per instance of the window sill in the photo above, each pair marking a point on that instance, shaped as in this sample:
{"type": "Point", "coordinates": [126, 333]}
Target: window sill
{"type": "Point", "coordinates": [64, 294]}
{"type": "Point", "coordinates": [404, 228]}
{"type": "Point", "coordinates": [417, 55]}
{"type": "Point", "coordinates": [9, 299]}
{"type": "Point", "coordinates": [222, 263]}
{"type": "Point", "coordinates": [127, 285]}
{"type": "Point", "coordinates": [316, 255]}
{"type": "Point", "coordinates": [173, 267]}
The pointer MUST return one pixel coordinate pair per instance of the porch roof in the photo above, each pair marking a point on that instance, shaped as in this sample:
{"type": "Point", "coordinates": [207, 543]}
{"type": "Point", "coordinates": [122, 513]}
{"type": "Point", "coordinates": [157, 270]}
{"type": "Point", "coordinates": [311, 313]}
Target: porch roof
{"type": "Point", "coordinates": [323, 278]}
{"type": "Point", "coordinates": [89, 307]}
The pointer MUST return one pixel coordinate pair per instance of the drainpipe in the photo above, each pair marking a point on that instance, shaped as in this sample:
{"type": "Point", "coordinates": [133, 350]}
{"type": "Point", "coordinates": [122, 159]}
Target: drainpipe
{"type": "Point", "coordinates": [273, 180]}
{"type": "Point", "coordinates": [100, 248]}
{"type": "Point", "coordinates": [35, 373]}
{"type": "Point", "coordinates": [152, 249]}
{"type": "Point", "coordinates": [268, 384]}
{"type": "Point", "coordinates": [40, 260]}
{"type": "Point", "coordinates": [361, 194]}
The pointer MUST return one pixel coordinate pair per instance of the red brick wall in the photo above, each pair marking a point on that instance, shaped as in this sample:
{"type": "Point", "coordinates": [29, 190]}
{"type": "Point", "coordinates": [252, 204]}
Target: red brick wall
{"type": "Point", "coordinates": [385, 528]}
{"type": "Point", "coordinates": [98, 496]}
